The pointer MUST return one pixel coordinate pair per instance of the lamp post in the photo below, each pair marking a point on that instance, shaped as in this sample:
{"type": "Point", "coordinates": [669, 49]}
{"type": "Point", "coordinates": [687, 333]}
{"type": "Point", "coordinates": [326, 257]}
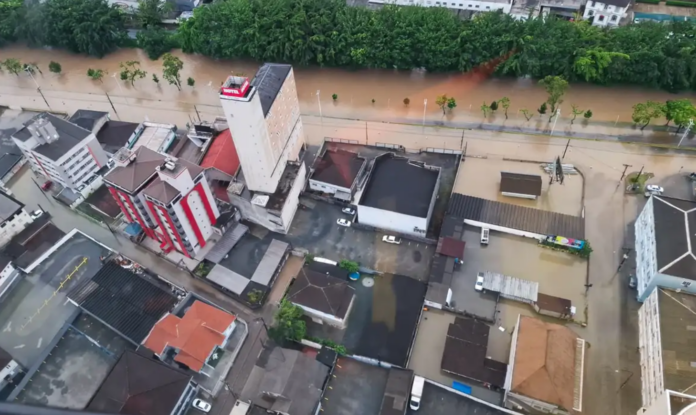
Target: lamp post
{"type": "Point", "coordinates": [558, 114]}
{"type": "Point", "coordinates": [425, 106]}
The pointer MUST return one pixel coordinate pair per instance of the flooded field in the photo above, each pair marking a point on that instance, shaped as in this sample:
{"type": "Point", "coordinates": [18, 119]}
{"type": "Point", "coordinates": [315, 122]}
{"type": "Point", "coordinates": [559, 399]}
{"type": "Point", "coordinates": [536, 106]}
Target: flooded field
{"type": "Point", "coordinates": [355, 90]}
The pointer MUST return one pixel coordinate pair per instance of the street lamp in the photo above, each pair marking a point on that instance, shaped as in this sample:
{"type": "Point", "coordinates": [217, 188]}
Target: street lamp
{"type": "Point", "coordinates": [425, 106]}
{"type": "Point", "coordinates": [558, 114]}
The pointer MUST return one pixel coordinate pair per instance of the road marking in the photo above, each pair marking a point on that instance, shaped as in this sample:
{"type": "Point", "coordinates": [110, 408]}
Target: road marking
{"type": "Point", "coordinates": [40, 341]}
{"type": "Point", "coordinates": [19, 347]}
{"type": "Point", "coordinates": [8, 327]}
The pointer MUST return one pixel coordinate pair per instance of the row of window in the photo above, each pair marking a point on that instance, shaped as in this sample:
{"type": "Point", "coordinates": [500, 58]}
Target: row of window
{"type": "Point", "coordinates": [601, 18]}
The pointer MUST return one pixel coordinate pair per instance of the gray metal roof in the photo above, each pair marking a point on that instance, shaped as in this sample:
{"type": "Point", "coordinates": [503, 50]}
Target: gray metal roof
{"type": "Point", "coordinates": [226, 243]}
{"type": "Point", "coordinates": [228, 279]}
{"type": "Point", "coordinates": [511, 287]}
{"type": "Point", "coordinates": [675, 236]}
{"type": "Point", "coordinates": [8, 206]}
{"type": "Point", "coordinates": [516, 217]}
{"type": "Point", "coordinates": [87, 118]}
{"type": "Point", "coordinates": [268, 82]}
{"type": "Point", "coordinates": [270, 261]}
{"type": "Point", "coordinates": [69, 135]}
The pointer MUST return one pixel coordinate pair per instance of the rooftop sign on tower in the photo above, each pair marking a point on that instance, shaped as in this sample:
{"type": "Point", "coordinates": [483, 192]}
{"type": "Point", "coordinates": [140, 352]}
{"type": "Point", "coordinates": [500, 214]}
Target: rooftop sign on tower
{"type": "Point", "coordinates": [235, 87]}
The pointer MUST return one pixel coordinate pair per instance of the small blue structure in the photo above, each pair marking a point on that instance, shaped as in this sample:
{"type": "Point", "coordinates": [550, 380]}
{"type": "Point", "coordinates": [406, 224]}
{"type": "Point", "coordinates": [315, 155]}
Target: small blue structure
{"type": "Point", "coordinates": [458, 386]}
{"type": "Point", "coordinates": [354, 276]}
{"type": "Point", "coordinates": [133, 229]}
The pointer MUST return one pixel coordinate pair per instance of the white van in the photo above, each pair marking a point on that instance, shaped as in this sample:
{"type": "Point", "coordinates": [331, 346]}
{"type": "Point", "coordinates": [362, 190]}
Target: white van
{"type": "Point", "coordinates": [416, 392]}
{"type": "Point", "coordinates": [485, 233]}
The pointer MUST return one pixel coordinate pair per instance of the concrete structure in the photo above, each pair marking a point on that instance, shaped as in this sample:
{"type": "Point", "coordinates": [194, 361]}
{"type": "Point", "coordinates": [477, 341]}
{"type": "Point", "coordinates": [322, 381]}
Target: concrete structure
{"type": "Point", "coordinates": [666, 245]}
{"type": "Point", "coordinates": [607, 13]}
{"type": "Point", "coordinates": [156, 137]}
{"type": "Point", "coordinates": [671, 403]}
{"type": "Point", "coordinates": [547, 364]}
{"type": "Point", "coordinates": [196, 340]}
{"type": "Point", "coordinates": [169, 198]}
{"type": "Point", "coordinates": [526, 186]}
{"type": "Point", "coordinates": [667, 331]}
{"type": "Point", "coordinates": [265, 124]}
{"type": "Point", "coordinates": [13, 217]}
{"type": "Point", "coordinates": [470, 5]}
{"type": "Point", "coordinates": [60, 150]}
{"type": "Point", "coordinates": [9, 368]}
{"type": "Point", "coordinates": [322, 297]}
{"type": "Point", "coordinates": [399, 195]}
{"type": "Point", "coordinates": [336, 173]}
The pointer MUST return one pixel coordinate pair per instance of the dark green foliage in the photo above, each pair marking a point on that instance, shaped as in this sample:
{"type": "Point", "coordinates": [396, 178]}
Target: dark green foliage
{"type": "Point", "coordinates": [155, 41]}
{"type": "Point", "coordinates": [10, 17]}
{"type": "Point", "coordinates": [494, 106]}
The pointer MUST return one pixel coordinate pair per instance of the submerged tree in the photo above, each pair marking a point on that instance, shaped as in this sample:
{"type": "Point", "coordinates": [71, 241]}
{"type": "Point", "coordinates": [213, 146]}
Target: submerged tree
{"type": "Point", "coordinates": [171, 68]}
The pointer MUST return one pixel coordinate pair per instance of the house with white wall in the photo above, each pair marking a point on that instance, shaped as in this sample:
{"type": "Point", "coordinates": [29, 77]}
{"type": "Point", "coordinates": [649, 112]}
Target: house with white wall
{"type": "Point", "coordinates": [476, 6]}
{"type": "Point", "coordinates": [324, 298]}
{"type": "Point", "coordinates": [666, 246]}
{"type": "Point", "coordinates": [606, 13]}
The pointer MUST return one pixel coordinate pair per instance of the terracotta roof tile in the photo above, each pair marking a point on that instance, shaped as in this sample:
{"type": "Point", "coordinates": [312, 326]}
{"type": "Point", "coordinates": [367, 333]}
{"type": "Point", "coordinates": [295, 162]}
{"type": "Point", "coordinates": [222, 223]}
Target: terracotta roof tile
{"type": "Point", "coordinates": [222, 154]}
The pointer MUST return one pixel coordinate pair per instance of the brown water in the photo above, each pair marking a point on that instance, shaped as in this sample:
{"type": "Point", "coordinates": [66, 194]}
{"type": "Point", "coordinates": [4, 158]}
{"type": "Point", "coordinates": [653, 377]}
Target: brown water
{"type": "Point", "coordinates": [355, 89]}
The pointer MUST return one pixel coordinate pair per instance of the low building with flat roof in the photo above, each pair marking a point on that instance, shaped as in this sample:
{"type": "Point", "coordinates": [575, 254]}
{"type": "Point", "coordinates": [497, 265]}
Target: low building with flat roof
{"type": "Point", "coordinates": [336, 173]}
{"type": "Point", "coordinates": [526, 186]}
{"type": "Point", "coordinates": [546, 368]}
{"type": "Point", "coordinates": [399, 195]}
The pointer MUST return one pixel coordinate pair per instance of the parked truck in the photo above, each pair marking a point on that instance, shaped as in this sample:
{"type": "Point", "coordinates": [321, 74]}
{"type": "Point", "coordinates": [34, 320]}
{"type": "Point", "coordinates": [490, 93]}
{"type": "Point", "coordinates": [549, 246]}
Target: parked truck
{"type": "Point", "coordinates": [417, 392]}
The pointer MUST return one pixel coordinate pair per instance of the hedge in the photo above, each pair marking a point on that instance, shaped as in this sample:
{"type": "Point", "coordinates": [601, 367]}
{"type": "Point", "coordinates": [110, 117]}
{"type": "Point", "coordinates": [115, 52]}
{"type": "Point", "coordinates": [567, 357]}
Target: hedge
{"type": "Point", "coordinates": [678, 3]}
{"type": "Point", "coordinates": [648, 1]}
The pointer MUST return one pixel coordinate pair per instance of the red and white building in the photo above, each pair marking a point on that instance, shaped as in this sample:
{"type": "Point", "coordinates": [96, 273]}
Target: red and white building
{"type": "Point", "coordinates": [168, 197]}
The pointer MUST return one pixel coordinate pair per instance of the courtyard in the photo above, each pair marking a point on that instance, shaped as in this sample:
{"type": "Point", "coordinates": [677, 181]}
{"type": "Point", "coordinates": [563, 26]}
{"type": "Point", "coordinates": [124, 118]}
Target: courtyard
{"type": "Point", "coordinates": [563, 198]}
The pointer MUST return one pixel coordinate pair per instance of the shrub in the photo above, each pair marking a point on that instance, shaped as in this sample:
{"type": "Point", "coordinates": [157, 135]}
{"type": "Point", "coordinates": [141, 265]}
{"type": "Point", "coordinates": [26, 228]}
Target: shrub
{"type": "Point", "coordinates": [407, 101]}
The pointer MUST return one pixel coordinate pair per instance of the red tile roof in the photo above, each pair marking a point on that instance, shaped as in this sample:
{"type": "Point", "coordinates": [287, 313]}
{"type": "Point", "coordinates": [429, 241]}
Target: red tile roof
{"type": "Point", "coordinates": [195, 335]}
{"type": "Point", "coordinates": [222, 154]}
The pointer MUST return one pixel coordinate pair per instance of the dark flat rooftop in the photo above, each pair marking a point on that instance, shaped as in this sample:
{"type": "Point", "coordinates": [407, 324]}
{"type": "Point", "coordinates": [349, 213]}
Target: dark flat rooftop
{"type": "Point", "coordinates": [7, 162]}
{"type": "Point", "coordinates": [103, 201]}
{"type": "Point", "coordinates": [526, 184]}
{"type": "Point", "coordinates": [124, 301]}
{"type": "Point", "coordinates": [37, 238]}
{"type": "Point", "coordinates": [86, 118]}
{"type": "Point", "coordinates": [115, 134]}
{"type": "Point", "coordinates": [516, 217]}
{"type": "Point", "coordinates": [268, 82]}
{"type": "Point", "coordinates": [69, 135]}
{"type": "Point", "coordinates": [399, 185]}
{"type": "Point", "coordinates": [675, 236]}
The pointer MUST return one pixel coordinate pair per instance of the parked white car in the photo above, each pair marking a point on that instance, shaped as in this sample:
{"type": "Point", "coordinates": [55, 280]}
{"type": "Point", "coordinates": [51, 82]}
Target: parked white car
{"type": "Point", "coordinates": [653, 189]}
{"type": "Point", "coordinates": [479, 282]}
{"type": "Point", "coordinates": [343, 222]}
{"type": "Point", "coordinates": [201, 405]}
{"type": "Point", "coordinates": [37, 213]}
{"type": "Point", "coordinates": [348, 211]}
{"type": "Point", "coordinates": [391, 239]}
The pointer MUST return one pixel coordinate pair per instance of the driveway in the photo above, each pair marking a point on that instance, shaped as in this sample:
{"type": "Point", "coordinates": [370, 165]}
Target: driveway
{"type": "Point", "coordinates": [315, 230]}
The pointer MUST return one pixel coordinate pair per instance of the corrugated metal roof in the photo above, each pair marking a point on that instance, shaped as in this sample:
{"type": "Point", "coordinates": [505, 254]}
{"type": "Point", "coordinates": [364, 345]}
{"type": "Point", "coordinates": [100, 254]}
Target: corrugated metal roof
{"type": "Point", "coordinates": [228, 279]}
{"type": "Point", "coordinates": [511, 287]}
{"type": "Point", "coordinates": [269, 263]}
{"type": "Point", "coordinates": [516, 217]}
{"type": "Point", "coordinates": [226, 243]}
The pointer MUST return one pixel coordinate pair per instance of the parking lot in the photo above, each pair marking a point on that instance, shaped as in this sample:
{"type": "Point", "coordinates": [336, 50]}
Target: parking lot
{"type": "Point", "coordinates": [427, 353]}
{"type": "Point", "coordinates": [439, 401]}
{"type": "Point", "coordinates": [315, 229]}
{"type": "Point", "coordinates": [75, 367]}
{"type": "Point", "coordinates": [36, 307]}
{"type": "Point", "coordinates": [355, 388]}
{"type": "Point", "coordinates": [562, 198]}
{"type": "Point", "coordinates": [558, 274]}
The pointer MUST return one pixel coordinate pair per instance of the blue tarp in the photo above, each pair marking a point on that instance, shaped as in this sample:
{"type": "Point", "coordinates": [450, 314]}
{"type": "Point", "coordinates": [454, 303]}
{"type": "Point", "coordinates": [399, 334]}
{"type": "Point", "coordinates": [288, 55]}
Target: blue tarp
{"type": "Point", "coordinates": [133, 229]}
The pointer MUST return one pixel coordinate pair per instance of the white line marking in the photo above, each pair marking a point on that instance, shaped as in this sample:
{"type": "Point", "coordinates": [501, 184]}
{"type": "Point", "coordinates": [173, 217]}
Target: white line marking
{"type": "Point", "coordinates": [19, 347]}
{"type": "Point", "coordinates": [40, 341]}
{"type": "Point", "coordinates": [7, 328]}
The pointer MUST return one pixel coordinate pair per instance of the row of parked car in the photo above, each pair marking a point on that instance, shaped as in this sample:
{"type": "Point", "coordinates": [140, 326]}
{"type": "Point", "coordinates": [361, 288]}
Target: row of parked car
{"type": "Point", "coordinates": [346, 223]}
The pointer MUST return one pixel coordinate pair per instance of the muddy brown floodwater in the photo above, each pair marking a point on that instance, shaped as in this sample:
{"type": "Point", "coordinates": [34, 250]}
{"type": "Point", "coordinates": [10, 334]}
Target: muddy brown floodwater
{"type": "Point", "coordinates": [355, 89]}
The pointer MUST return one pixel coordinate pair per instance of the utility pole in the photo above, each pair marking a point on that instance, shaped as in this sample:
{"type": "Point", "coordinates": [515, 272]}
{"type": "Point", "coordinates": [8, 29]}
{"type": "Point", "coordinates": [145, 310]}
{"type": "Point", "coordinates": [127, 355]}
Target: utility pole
{"type": "Point", "coordinates": [639, 174]}
{"type": "Point", "coordinates": [366, 133]}
{"type": "Point", "coordinates": [112, 105]}
{"type": "Point", "coordinates": [558, 114]}
{"type": "Point", "coordinates": [425, 106]}
{"type": "Point", "coordinates": [686, 131]}
{"type": "Point", "coordinates": [626, 166]}
{"type": "Point", "coordinates": [461, 143]}
{"type": "Point", "coordinates": [197, 113]}
{"type": "Point", "coordinates": [566, 149]}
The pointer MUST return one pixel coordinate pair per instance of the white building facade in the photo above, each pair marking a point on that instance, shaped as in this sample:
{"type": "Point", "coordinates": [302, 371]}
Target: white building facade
{"type": "Point", "coordinates": [264, 120]}
{"type": "Point", "coordinates": [475, 6]}
{"type": "Point", "coordinates": [606, 14]}
{"type": "Point", "coordinates": [59, 150]}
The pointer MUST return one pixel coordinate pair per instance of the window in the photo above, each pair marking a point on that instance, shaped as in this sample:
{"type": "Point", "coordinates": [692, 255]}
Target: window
{"type": "Point", "coordinates": [613, 18]}
{"type": "Point", "coordinates": [686, 284]}
{"type": "Point", "coordinates": [590, 13]}
{"type": "Point", "coordinates": [601, 18]}
{"type": "Point", "coordinates": [488, 7]}
{"type": "Point", "coordinates": [477, 6]}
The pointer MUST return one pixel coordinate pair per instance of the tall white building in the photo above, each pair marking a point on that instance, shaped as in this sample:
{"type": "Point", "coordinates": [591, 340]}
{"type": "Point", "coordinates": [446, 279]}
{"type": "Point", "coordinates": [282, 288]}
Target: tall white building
{"type": "Point", "coordinates": [265, 124]}
{"type": "Point", "coordinates": [606, 12]}
{"type": "Point", "coordinates": [60, 150]}
{"type": "Point", "coordinates": [666, 246]}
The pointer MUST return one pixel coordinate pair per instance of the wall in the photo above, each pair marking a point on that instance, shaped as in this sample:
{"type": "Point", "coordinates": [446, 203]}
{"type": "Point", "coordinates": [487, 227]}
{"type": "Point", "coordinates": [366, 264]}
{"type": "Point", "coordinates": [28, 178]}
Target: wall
{"type": "Point", "coordinates": [282, 121]}
{"type": "Point", "coordinates": [646, 260]}
{"type": "Point", "coordinates": [511, 360]}
{"type": "Point", "coordinates": [398, 222]}
{"type": "Point", "coordinates": [539, 406]}
{"type": "Point", "coordinates": [475, 6]}
{"type": "Point", "coordinates": [257, 214]}
{"type": "Point", "coordinates": [293, 199]}
{"type": "Point", "coordinates": [14, 225]}
{"type": "Point", "coordinates": [318, 186]}
{"type": "Point", "coordinates": [504, 229]}
{"type": "Point", "coordinates": [520, 195]}
{"type": "Point", "coordinates": [650, 347]}
{"type": "Point", "coordinates": [612, 15]}
{"type": "Point", "coordinates": [326, 318]}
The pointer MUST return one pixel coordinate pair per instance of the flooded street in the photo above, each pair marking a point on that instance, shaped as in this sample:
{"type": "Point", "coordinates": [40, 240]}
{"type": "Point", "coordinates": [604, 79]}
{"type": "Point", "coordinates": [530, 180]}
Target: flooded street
{"type": "Point", "coordinates": [355, 89]}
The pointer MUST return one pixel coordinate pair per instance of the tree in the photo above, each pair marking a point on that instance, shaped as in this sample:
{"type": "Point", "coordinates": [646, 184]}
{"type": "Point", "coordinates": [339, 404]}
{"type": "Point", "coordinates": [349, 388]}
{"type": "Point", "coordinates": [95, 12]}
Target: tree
{"type": "Point", "coordinates": [190, 81]}
{"type": "Point", "coordinates": [505, 103]}
{"type": "Point", "coordinates": [592, 63]}
{"type": "Point", "coordinates": [171, 68]}
{"type": "Point", "coordinates": [576, 111]}
{"type": "Point", "coordinates": [55, 67]}
{"type": "Point", "coordinates": [441, 101]}
{"type": "Point", "coordinates": [680, 111]}
{"type": "Point", "coordinates": [350, 266]}
{"type": "Point", "coordinates": [407, 101]}
{"type": "Point", "coordinates": [645, 112]}
{"type": "Point", "coordinates": [485, 109]}
{"type": "Point", "coordinates": [92, 27]}
{"type": "Point", "coordinates": [288, 323]}
{"type": "Point", "coordinates": [527, 114]}
{"type": "Point", "coordinates": [96, 74]}
{"type": "Point", "coordinates": [130, 71]}
{"type": "Point", "coordinates": [155, 79]}
{"type": "Point", "coordinates": [12, 65]}
{"type": "Point", "coordinates": [151, 12]}
{"type": "Point", "coordinates": [494, 106]}
{"type": "Point", "coordinates": [588, 114]}
{"type": "Point", "coordinates": [542, 109]}
{"type": "Point", "coordinates": [10, 20]}
{"type": "Point", "coordinates": [155, 41]}
{"type": "Point", "coordinates": [451, 103]}
{"type": "Point", "coordinates": [555, 87]}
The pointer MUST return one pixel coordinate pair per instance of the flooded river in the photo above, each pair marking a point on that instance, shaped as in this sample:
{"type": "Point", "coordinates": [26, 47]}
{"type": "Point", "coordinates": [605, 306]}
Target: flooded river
{"type": "Point", "coordinates": [355, 89]}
